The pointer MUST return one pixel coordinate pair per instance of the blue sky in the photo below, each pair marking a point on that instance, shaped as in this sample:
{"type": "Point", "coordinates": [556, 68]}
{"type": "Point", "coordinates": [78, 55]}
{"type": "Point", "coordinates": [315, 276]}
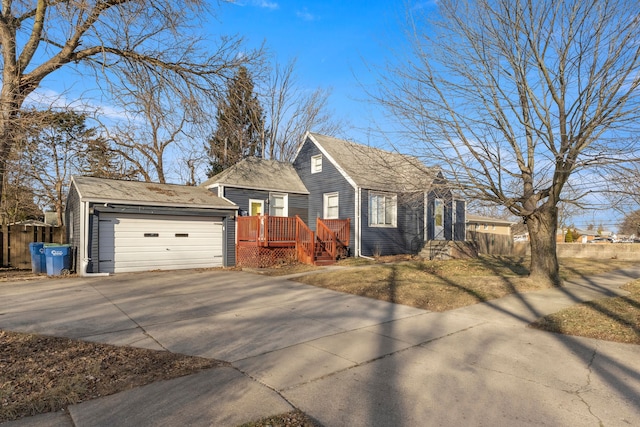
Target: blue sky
{"type": "Point", "coordinates": [334, 41]}
{"type": "Point", "coordinates": [339, 44]}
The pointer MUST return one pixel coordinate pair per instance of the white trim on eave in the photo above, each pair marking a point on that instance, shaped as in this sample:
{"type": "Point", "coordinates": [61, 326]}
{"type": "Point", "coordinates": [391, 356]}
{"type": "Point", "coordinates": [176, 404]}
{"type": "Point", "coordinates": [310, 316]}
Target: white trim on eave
{"type": "Point", "coordinates": [249, 187]}
{"type": "Point", "coordinates": [157, 203]}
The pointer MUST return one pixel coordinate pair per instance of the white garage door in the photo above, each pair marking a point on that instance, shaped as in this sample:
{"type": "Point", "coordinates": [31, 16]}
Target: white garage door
{"type": "Point", "coordinates": [158, 242]}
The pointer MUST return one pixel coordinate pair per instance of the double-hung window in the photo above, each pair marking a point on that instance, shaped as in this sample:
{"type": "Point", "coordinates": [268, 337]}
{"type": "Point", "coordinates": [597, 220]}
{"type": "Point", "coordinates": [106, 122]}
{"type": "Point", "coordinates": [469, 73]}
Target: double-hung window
{"type": "Point", "coordinates": [316, 163]}
{"type": "Point", "coordinates": [278, 204]}
{"type": "Point", "coordinates": [331, 206]}
{"type": "Point", "coordinates": [382, 209]}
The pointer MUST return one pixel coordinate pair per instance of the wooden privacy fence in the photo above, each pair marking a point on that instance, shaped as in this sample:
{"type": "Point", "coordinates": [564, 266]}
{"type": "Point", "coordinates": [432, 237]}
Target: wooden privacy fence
{"type": "Point", "coordinates": [491, 244]}
{"type": "Point", "coordinates": [16, 239]}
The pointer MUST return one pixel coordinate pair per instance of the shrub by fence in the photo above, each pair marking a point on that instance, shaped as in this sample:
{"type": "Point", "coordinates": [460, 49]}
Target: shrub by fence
{"type": "Point", "coordinates": [15, 243]}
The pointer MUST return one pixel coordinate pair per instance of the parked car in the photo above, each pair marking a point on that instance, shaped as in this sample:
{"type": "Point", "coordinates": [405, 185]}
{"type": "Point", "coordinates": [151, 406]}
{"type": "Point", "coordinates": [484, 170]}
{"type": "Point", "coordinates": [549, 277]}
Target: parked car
{"type": "Point", "coordinates": [601, 240]}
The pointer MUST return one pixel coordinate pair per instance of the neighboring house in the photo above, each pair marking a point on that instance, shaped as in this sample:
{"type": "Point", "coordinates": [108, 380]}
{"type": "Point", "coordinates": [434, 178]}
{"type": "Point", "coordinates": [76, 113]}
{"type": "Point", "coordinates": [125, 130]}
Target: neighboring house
{"type": "Point", "coordinates": [260, 186]}
{"type": "Point", "coordinates": [394, 201]}
{"type": "Point", "coordinates": [491, 235]}
{"type": "Point", "coordinates": [488, 225]}
{"type": "Point", "coordinates": [123, 226]}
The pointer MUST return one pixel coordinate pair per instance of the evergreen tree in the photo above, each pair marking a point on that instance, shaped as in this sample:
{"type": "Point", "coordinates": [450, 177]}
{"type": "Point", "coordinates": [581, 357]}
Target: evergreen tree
{"type": "Point", "coordinates": [240, 130]}
{"type": "Point", "coordinates": [53, 144]}
{"type": "Point", "coordinates": [568, 238]}
{"type": "Point", "coordinates": [100, 160]}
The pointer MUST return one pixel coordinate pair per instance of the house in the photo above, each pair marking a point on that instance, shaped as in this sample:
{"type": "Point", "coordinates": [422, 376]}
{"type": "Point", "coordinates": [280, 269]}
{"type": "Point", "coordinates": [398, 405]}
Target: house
{"type": "Point", "coordinates": [393, 202]}
{"type": "Point", "coordinates": [491, 235]}
{"type": "Point", "coordinates": [124, 226]}
{"type": "Point", "coordinates": [489, 225]}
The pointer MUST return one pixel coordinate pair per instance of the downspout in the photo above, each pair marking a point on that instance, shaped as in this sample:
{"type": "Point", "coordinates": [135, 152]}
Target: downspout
{"type": "Point", "coordinates": [84, 238]}
{"type": "Point", "coordinates": [358, 226]}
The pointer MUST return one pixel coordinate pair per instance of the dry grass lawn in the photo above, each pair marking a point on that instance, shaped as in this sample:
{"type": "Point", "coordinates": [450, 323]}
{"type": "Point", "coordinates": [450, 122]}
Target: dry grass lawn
{"type": "Point", "coordinates": [611, 319]}
{"type": "Point", "coordinates": [445, 285]}
{"type": "Point", "coordinates": [44, 374]}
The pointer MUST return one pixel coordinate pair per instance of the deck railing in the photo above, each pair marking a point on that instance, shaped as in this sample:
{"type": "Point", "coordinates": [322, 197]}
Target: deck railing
{"type": "Point", "coordinates": [305, 242]}
{"type": "Point", "coordinates": [267, 230]}
{"type": "Point", "coordinates": [341, 228]}
{"type": "Point", "coordinates": [332, 235]}
{"type": "Point", "coordinates": [327, 239]}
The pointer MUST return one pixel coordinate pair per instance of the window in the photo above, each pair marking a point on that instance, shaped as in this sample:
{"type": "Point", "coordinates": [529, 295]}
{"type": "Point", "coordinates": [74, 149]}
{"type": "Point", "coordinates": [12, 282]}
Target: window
{"type": "Point", "coordinates": [331, 207]}
{"type": "Point", "coordinates": [316, 163]}
{"type": "Point", "coordinates": [382, 210]}
{"type": "Point", "coordinates": [255, 207]}
{"type": "Point", "coordinates": [278, 204]}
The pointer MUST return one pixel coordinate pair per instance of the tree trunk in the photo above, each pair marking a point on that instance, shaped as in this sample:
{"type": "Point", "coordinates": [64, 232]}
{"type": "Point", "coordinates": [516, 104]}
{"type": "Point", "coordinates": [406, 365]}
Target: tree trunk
{"type": "Point", "coordinates": [542, 226]}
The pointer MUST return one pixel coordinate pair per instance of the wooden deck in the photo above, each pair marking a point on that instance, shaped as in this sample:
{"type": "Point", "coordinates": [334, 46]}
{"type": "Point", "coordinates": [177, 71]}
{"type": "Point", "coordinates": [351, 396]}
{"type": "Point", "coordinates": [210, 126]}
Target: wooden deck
{"type": "Point", "coordinates": [270, 233]}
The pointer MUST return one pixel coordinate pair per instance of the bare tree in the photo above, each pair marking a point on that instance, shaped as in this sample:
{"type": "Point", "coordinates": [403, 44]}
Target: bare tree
{"type": "Point", "coordinates": [291, 111]}
{"type": "Point", "coordinates": [105, 38]}
{"type": "Point", "coordinates": [630, 224]}
{"type": "Point", "coordinates": [157, 123]}
{"type": "Point", "coordinates": [517, 97]}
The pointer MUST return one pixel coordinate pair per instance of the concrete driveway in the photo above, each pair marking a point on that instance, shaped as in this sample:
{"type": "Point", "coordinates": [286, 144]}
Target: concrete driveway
{"type": "Point", "coordinates": [342, 359]}
{"type": "Point", "coordinates": [224, 315]}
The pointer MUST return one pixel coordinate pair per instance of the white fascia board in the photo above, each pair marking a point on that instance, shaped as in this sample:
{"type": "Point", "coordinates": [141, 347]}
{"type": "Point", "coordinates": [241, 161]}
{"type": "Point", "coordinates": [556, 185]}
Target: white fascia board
{"type": "Point", "coordinates": [304, 139]}
{"type": "Point", "coordinates": [335, 164]}
{"type": "Point", "coordinates": [248, 187]}
{"type": "Point", "coordinates": [159, 204]}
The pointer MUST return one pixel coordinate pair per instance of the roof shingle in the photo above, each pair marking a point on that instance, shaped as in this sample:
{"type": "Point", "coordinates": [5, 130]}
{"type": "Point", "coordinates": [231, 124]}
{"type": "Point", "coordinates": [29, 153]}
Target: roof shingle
{"type": "Point", "coordinates": [260, 174]}
{"type": "Point", "coordinates": [376, 169]}
{"type": "Point", "coordinates": [103, 190]}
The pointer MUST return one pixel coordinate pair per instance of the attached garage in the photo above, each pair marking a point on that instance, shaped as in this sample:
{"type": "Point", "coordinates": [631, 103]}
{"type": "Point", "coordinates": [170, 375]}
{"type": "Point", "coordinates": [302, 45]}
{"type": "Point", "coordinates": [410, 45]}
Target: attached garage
{"type": "Point", "coordinates": [125, 226]}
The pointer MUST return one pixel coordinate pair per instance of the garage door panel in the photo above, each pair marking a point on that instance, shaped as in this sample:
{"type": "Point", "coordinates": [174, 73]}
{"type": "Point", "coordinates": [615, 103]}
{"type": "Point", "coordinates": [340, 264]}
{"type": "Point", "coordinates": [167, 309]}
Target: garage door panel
{"type": "Point", "coordinates": [171, 242]}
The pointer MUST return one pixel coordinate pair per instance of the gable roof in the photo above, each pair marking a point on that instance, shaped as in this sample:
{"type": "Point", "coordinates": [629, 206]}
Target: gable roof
{"type": "Point", "coordinates": [260, 174]}
{"type": "Point", "coordinates": [373, 168]}
{"type": "Point", "coordinates": [103, 190]}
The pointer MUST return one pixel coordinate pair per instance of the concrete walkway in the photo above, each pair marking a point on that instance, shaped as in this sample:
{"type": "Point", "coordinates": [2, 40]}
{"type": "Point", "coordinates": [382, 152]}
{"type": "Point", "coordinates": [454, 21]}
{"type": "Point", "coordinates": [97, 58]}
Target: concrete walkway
{"type": "Point", "coordinates": [342, 359]}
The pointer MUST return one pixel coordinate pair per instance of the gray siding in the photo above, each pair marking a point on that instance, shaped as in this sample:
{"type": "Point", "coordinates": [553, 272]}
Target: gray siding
{"type": "Point", "coordinates": [93, 244]}
{"type": "Point", "coordinates": [230, 242]}
{"type": "Point", "coordinates": [406, 237]}
{"type": "Point", "coordinates": [72, 219]}
{"type": "Point", "coordinates": [329, 180]}
{"type": "Point", "coordinates": [459, 226]}
{"type": "Point", "coordinates": [298, 203]}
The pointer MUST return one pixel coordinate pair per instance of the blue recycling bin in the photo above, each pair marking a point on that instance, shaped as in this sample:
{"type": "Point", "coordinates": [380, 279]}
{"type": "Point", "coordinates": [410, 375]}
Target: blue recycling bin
{"type": "Point", "coordinates": [58, 259]}
{"type": "Point", "coordinates": [38, 260]}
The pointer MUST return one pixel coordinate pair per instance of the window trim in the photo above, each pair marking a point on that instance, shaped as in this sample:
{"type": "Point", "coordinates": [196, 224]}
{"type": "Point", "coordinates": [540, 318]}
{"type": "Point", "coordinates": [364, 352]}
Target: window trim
{"type": "Point", "coordinates": [285, 198]}
{"type": "Point", "coordinates": [316, 166]}
{"type": "Point", "coordinates": [325, 204]}
{"type": "Point", "coordinates": [257, 202]}
{"type": "Point", "coordinates": [394, 213]}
